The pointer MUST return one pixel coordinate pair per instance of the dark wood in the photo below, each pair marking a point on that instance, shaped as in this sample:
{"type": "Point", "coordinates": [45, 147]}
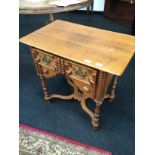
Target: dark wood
{"type": "Point", "coordinates": [133, 28]}
{"type": "Point", "coordinates": [120, 11]}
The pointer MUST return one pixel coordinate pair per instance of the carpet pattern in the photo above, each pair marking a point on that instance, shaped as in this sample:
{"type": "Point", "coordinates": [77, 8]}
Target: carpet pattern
{"type": "Point", "coordinates": [36, 142]}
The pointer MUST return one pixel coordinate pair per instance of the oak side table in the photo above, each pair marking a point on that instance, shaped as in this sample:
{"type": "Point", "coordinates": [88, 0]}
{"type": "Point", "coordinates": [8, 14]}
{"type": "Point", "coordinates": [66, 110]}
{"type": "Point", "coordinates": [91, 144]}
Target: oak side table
{"type": "Point", "coordinates": [91, 59]}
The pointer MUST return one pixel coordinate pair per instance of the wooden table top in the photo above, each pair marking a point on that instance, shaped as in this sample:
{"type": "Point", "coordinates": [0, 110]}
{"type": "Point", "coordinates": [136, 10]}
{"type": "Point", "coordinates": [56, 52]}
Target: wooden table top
{"type": "Point", "coordinates": [100, 49]}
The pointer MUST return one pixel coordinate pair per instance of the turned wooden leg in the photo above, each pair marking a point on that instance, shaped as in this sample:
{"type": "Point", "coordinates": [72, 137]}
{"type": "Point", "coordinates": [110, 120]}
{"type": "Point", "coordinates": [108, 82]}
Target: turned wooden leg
{"type": "Point", "coordinates": [112, 94]}
{"type": "Point", "coordinates": [88, 12]}
{"type": "Point", "coordinates": [50, 18]}
{"type": "Point", "coordinates": [43, 82]}
{"type": "Point", "coordinates": [92, 6]}
{"type": "Point", "coordinates": [96, 120]}
{"type": "Point", "coordinates": [90, 9]}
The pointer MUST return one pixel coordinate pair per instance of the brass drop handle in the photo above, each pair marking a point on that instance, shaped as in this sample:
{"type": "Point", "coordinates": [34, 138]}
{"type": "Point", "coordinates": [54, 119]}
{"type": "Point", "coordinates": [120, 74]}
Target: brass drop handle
{"type": "Point", "coordinates": [45, 71]}
{"type": "Point", "coordinates": [80, 73]}
{"type": "Point", "coordinates": [91, 79]}
{"type": "Point", "coordinates": [37, 59]}
{"type": "Point", "coordinates": [69, 71]}
{"type": "Point", "coordinates": [46, 59]}
{"type": "Point", "coordinates": [86, 88]}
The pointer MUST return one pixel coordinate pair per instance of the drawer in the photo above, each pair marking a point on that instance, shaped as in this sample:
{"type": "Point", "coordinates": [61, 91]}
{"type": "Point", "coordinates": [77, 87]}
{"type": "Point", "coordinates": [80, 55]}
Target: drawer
{"type": "Point", "coordinates": [49, 64]}
{"type": "Point", "coordinates": [83, 77]}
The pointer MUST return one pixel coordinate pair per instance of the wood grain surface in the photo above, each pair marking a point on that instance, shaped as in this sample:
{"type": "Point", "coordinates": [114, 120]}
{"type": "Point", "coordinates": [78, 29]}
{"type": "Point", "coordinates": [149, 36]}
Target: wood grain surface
{"type": "Point", "coordinates": [100, 49]}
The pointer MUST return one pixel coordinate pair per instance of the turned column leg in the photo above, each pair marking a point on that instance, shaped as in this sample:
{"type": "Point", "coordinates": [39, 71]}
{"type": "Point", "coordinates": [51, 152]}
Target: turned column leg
{"type": "Point", "coordinates": [112, 94]}
{"type": "Point", "coordinates": [96, 120]}
{"type": "Point", "coordinates": [43, 82]}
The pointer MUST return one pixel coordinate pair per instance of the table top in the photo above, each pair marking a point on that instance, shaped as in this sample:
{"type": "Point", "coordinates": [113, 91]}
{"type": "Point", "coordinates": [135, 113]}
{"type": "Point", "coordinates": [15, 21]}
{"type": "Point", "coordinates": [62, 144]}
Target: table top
{"type": "Point", "coordinates": [101, 49]}
{"type": "Point", "coordinates": [48, 6]}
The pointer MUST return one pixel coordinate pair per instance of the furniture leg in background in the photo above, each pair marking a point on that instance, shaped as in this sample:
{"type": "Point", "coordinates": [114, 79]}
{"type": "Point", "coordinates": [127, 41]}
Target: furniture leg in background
{"type": "Point", "coordinates": [50, 18]}
{"type": "Point", "coordinates": [26, 7]}
{"type": "Point", "coordinates": [43, 82]}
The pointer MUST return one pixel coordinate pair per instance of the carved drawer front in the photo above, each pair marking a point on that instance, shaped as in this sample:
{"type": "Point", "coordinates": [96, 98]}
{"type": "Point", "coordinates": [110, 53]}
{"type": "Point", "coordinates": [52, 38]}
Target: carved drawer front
{"type": "Point", "coordinates": [83, 77]}
{"type": "Point", "coordinates": [49, 63]}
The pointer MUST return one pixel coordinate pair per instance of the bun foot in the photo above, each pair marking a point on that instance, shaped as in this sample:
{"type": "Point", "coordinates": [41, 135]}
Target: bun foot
{"type": "Point", "coordinates": [111, 99]}
{"type": "Point", "coordinates": [47, 101]}
{"type": "Point", "coordinates": [95, 128]}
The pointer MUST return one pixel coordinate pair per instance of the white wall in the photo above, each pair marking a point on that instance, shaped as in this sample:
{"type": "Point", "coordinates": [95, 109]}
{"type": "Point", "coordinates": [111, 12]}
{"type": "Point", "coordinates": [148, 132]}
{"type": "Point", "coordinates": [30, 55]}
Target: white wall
{"type": "Point", "coordinates": [99, 5]}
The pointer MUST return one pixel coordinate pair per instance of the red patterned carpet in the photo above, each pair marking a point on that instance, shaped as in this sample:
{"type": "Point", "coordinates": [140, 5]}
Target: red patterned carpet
{"type": "Point", "coordinates": [38, 142]}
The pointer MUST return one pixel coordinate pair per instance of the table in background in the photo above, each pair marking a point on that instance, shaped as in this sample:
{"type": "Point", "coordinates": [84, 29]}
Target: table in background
{"type": "Point", "coordinates": [44, 7]}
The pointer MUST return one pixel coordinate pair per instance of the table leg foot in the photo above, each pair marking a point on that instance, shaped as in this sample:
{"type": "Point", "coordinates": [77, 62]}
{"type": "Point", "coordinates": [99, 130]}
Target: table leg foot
{"type": "Point", "coordinates": [111, 98]}
{"type": "Point", "coordinates": [47, 101]}
{"type": "Point", "coordinates": [96, 120]}
{"type": "Point", "coordinates": [95, 127]}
